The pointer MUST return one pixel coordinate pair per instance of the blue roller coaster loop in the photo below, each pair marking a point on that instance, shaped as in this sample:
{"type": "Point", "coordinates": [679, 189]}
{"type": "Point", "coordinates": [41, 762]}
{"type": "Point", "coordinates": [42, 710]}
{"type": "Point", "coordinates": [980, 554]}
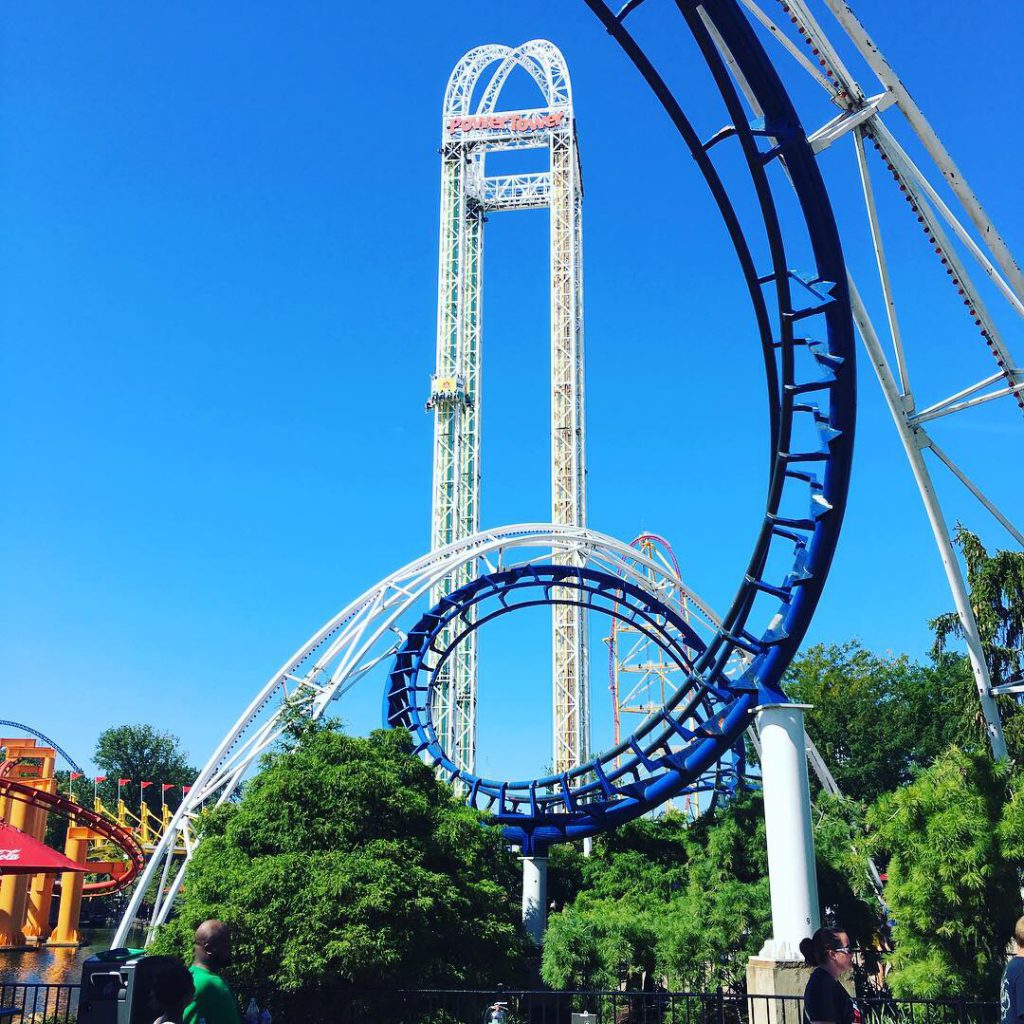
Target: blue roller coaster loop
{"type": "Point", "coordinates": [806, 336]}
{"type": "Point", "coordinates": [46, 739]}
{"type": "Point", "coordinates": [537, 812]}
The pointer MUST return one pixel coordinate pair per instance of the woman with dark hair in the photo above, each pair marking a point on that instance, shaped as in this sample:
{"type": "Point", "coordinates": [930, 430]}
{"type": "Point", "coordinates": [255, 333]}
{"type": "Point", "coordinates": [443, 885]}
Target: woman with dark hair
{"type": "Point", "coordinates": [171, 988]}
{"type": "Point", "coordinates": [828, 951]}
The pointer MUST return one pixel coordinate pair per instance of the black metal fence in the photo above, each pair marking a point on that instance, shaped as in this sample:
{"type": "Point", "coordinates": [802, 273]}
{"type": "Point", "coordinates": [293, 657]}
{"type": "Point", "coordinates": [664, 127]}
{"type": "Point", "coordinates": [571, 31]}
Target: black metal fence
{"type": "Point", "coordinates": [485, 1006]}
{"type": "Point", "coordinates": [34, 1004]}
{"type": "Point", "coordinates": [58, 1004]}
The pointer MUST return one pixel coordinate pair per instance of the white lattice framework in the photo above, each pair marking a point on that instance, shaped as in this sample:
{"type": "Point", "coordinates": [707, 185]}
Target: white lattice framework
{"type": "Point", "coordinates": [472, 127]}
{"type": "Point", "coordinates": [641, 677]}
{"type": "Point", "coordinates": [364, 636]}
{"type": "Point", "coordinates": [945, 208]}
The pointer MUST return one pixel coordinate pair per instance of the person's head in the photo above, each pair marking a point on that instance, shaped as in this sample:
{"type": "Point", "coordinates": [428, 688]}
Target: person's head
{"type": "Point", "coordinates": [828, 948]}
{"type": "Point", "coordinates": [171, 988]}
{"type": "Point", "coordinates": [1018, 935]}
{"type": "Point", "coordinates": [212, 945]}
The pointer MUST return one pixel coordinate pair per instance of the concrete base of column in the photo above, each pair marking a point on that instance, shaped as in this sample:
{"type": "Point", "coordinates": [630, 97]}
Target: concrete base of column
{"type": "Point", "coordinates": [775, 989]}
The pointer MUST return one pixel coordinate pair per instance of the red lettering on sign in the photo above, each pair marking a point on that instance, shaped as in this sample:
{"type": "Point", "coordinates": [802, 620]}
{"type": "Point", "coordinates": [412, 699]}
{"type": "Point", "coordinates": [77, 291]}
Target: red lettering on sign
{"type": "Point", "coordinates": [508, 122]}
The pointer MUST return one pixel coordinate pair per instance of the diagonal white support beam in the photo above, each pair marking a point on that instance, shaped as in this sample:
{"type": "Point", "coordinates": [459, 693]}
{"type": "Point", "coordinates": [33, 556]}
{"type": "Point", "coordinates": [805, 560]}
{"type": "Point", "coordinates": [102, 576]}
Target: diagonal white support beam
{"type": "Point", "coordinates": [924, 417]}
{"type": "Point", "coordinates": [845, 123]}
{"type": "Point", "coordinates": [883, 266]}
{"type": "Point", "coordinates": [949, 170]}
{"type": "Point", "coordinates": [914, 439]}
{"type": "Point", "coordinates": [977, 492]}
{"type": "Point", "coordinates": [894, 152]}
{"type": "Point", "coordinates": [794, 51]}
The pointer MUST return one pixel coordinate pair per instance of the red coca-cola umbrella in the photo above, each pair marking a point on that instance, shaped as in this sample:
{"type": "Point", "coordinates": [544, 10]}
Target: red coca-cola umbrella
{"type": "Point", "coordinates": [20, 854]}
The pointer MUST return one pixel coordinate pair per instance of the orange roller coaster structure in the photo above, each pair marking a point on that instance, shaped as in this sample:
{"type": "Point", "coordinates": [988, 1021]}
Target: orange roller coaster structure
{"type": "Point", "coordinates": [27, 797]}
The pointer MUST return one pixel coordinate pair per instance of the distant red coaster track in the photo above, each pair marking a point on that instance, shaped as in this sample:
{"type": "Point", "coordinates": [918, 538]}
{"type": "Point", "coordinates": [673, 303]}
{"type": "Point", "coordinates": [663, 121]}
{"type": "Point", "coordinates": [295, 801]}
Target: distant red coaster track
{"type": "Point", "coordinates": [122, 873]}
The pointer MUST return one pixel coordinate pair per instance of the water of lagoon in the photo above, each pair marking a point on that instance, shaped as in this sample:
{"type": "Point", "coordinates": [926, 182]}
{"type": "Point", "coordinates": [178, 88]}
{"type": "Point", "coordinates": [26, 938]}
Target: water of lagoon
{"type": "Point", "coordinates": [52, 965]}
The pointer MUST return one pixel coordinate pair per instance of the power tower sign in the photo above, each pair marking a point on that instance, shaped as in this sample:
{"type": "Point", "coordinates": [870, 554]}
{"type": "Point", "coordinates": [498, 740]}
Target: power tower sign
{"type": "Point", "coordinates": [473, 127]}
{"type": "Point", "coordinates": [520, 121]}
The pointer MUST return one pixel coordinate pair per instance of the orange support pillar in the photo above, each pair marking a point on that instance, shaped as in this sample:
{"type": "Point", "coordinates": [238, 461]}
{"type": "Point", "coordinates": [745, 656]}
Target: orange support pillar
{"type": "Point", "coordinates": [13, 888]}
{"type": "Point", "coordinates": [37, 909]}
{"type": "Point", "coordinates": [76, 848]}
{"type": "Point", "coordinates": [40, 887]}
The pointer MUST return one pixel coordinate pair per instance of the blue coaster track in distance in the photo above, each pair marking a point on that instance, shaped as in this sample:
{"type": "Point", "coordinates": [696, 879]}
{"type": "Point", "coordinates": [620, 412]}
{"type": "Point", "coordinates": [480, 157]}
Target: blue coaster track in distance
{"type": "Point", "coordinates": [4, 723]}
{"type": "Point", "coordinates": [806, 336]}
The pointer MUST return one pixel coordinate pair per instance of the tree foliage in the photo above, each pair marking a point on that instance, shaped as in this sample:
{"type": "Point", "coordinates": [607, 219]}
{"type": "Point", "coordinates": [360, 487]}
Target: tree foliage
{"type": "Point", "coordinates": [140, 753]}
{"type": "Point", "coordinates": [348, 864]}
{"type": "Point", "coordinates": [996, 584]}
{"type": "Point", "coordinates": [689, 902]}
{"type": "Point", "coordinates": [876, 719]}
{"type": "Point", "coordinates": [952, 841]}
{"type": "Point", "coordinates": [143, 753]}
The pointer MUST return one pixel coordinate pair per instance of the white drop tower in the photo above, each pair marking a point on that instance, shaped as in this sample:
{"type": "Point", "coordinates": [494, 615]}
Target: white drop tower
{"type": "Point", "coordinates": [472, 127]}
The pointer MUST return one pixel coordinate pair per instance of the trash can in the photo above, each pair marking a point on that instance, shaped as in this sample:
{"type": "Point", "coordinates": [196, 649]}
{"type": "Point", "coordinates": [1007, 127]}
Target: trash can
{"type": "Point", "coordinates": [114, 988]}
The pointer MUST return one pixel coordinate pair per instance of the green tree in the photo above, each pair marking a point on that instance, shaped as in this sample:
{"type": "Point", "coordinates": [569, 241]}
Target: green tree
{"type": "Point", "coordinates": [137, 752]}
{"type": "Point", "coordinates": [348, 864]}
{"type": "Point", "coordinates": [952, 875]}
{"type": "Point", "coordinates": [722, 914]}
{"type": "Point", "coordinates": [875, 719]}
{"type": "Point", "coordinates": [689, 902]}
{"type": "Point", "coordinates": [846, 891]}
{"type": "Point", "coordinates": [143, 754]}
{"type": "Point", "coordinates": [996, 584]}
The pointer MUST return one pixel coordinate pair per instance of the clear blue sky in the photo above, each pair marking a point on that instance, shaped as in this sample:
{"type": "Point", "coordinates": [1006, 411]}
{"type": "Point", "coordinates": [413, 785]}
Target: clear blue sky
{"type": "Point", "coordinates": [217, 305]}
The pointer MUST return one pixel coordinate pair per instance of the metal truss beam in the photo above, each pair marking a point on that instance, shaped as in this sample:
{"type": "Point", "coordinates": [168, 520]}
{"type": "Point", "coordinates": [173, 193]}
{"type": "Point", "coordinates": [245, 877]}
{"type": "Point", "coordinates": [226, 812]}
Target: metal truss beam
{"type": "Point", "coordinates": [472, 129]}
{"type": "Point", "coordinates": [864, 117]}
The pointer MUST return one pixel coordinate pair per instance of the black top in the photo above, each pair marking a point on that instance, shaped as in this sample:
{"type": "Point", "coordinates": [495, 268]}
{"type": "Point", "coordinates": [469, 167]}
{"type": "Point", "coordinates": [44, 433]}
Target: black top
{"type": "Point", "coordinates": [1011, 992]}
{"type": "Point", "coordinates": [826, 999]}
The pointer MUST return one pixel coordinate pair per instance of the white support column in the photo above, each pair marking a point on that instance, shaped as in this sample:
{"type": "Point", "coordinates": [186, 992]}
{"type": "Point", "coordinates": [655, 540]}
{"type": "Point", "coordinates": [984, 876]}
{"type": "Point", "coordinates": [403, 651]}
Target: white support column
{"type": "Point", "coordinates": [779, 970]}
{"type": "Point", "coordinates": [915, 439]}
{"type": "Point", "coordinates": [535, 897]}
{"type": "Point", "coordinates": [787, 819]}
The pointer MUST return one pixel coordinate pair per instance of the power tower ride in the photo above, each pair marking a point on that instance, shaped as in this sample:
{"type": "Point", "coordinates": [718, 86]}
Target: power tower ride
{"type": "Point", "coordinates": [472, 127]}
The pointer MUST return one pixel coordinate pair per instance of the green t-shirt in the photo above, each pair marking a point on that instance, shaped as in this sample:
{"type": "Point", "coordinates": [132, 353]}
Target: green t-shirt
{"type": "Point", "coordinates": [214, 1003]}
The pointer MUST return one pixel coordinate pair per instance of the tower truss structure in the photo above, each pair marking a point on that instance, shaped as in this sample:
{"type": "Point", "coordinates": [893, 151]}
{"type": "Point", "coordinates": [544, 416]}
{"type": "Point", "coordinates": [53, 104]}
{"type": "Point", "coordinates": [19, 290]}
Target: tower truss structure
{"type": "Point", "coordinates": [640, 678]}
{"type": "Point", "coordinates": [965, 243]}
{"type": "Point", "coordinates": [472, 127]}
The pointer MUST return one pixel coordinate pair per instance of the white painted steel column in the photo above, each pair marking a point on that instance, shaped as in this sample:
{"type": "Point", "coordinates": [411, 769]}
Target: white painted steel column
{"type": "Point", "coordinates": [535, 897]}
{"type": "Point", "coordinates": [787, 818]}
{"type": "Point", "coordinates": [914, 439]}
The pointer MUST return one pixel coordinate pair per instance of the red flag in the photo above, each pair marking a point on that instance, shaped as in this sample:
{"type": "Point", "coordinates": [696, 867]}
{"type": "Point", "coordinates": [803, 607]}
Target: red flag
{"type": "Point", "coordinates": [123, 782]}
{"type": "Point", "coordinates": [143, 785]}
{"type": "Point", "coordinates": [185, 789]}
{"type": "Point", "coordinates": [75, 775]}
{"type": "Point", "coordinates": [166, 786]}
{"type": "Point", "coordinates": [100, 778]}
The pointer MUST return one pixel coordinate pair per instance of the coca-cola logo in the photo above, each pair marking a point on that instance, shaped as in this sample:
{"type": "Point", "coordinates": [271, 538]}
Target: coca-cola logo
{"type": "Point", "coordinates": [10, 854]}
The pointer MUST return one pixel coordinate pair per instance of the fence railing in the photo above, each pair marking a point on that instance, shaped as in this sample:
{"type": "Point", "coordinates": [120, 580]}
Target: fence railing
{"type": "Point", "coordinates": [490, 1006]}
{"type": "Point", "coordinates": [58, 1004]}
{"type": "Point", "coordinates": [35, 1003]}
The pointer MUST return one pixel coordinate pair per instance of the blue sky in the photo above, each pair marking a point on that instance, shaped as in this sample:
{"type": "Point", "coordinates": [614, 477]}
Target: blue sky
{"type": "Point", "coordinates": [217, 304]}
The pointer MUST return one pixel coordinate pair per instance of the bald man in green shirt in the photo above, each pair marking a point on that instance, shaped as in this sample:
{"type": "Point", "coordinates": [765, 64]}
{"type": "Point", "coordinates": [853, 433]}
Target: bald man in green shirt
{"type": "Point", "coordinates": [213, 1003]}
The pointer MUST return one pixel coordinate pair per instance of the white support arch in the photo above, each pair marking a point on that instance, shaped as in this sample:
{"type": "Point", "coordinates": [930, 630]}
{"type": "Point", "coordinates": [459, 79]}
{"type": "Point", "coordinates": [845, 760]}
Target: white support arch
{"type": "Point", "coordinates": [360, 637]}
